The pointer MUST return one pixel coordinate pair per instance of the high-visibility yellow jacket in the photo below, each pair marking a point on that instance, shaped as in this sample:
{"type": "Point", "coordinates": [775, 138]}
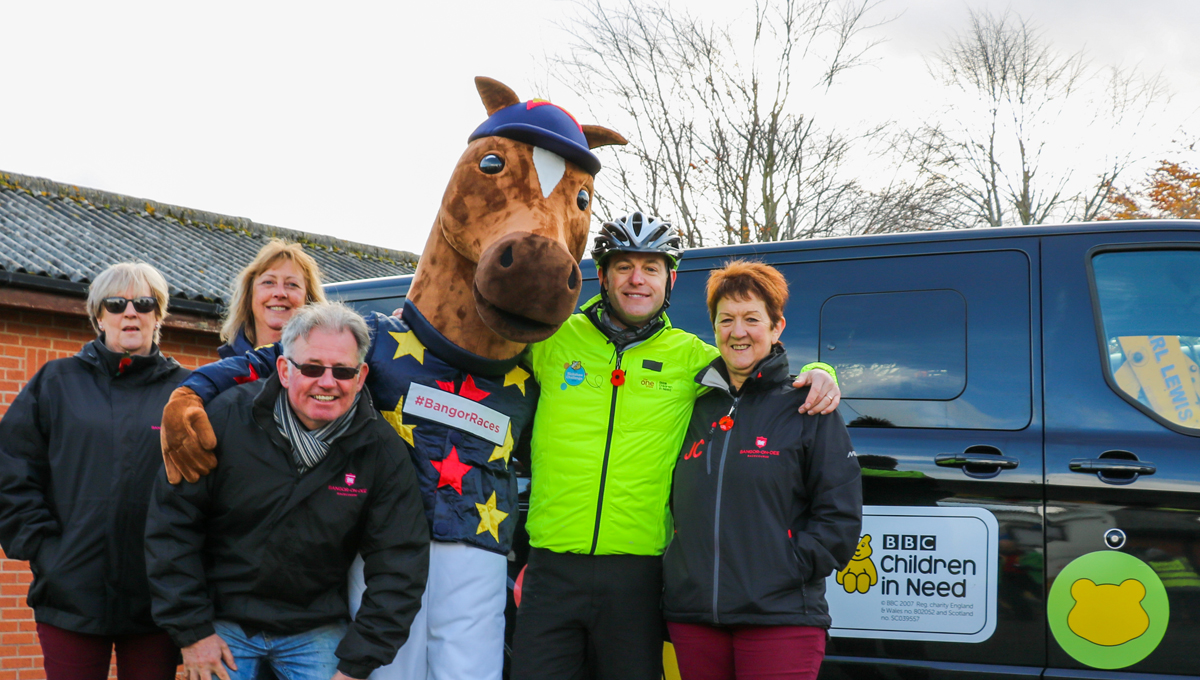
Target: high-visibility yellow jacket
{"type": "Point", "coordinates": [604, 448]}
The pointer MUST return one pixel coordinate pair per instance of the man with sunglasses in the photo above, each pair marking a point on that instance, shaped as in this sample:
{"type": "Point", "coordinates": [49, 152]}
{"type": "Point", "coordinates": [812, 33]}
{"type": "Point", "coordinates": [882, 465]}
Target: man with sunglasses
{"type": "Point", "coordinates": [248, 565]}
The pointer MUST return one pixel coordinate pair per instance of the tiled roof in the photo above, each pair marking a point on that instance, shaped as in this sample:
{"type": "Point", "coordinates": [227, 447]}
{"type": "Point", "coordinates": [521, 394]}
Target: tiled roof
{"type": "Point", "coordinates": [63, 232]}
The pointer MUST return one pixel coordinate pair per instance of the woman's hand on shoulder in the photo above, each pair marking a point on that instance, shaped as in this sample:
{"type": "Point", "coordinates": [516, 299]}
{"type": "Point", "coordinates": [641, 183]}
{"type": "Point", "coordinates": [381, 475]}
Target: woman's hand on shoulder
{"type": "Point", "coordinates": [824, 395]}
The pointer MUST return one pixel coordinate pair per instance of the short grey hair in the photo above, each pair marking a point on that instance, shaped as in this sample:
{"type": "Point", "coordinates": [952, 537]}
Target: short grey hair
{"type": "Point", "coordinates": [121, 278]}
{"type": "Point", "coordinates": [330, 316]}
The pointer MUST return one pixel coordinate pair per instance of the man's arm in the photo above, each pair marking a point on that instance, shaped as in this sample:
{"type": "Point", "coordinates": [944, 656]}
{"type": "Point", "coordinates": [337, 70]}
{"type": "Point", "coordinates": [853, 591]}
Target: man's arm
{"type": "Point", "coordinates": [174, 562]}
{"type": "Point", "coordinates": [395, 550]}
{"type": "Point", "coordinates": [26, 520]}
{"type": "Point", "coordinates": [175, 568]}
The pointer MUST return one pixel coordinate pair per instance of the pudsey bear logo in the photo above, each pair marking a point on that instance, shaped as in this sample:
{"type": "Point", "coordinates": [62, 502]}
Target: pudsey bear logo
{"type": "Point", "coordinates": [1108, 615]}
{"type": "Point", "coordinates": [859, 575]}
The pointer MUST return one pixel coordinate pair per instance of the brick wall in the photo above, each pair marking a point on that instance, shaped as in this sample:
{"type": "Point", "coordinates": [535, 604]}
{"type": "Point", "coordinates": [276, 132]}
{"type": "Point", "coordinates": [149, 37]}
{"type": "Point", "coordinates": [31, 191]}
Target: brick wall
{"type": "Point", "coordinates": [28, 339]}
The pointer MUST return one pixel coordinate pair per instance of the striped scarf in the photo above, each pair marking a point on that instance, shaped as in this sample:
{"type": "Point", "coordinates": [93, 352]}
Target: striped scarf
{"type": "Point", "coordinates": [309, 447]}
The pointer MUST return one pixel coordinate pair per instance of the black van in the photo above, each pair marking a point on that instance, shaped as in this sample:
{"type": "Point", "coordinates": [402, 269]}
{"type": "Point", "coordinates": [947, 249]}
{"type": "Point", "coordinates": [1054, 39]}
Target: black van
{"type": "Point", "coordinates": [1025, 404]}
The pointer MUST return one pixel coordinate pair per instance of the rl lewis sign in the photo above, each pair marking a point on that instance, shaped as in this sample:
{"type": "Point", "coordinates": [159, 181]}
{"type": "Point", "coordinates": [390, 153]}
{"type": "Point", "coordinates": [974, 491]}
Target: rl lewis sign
{"type": "Point", "coordinates": [919, 574]}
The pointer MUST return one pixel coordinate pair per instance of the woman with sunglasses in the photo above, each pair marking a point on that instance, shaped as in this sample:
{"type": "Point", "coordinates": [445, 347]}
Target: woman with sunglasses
{"type": "Point", "coordinates": [79, 451]}
{"type": "Point", "coordinates": [281, 279]}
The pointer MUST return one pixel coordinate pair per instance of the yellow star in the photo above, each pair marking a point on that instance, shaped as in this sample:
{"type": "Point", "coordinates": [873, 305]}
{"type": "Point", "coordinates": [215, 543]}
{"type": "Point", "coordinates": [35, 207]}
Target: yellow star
{"type": "Point", "coordinates": [505, 449]}
{"type": "Point", "coordinates": [517, 377]}
{"type": "Point", "coordinates": [490, 518]}
{"type": "Point", "coordinates": [396, 418]}
{"type": "Point", "coordinates": [408, 344]}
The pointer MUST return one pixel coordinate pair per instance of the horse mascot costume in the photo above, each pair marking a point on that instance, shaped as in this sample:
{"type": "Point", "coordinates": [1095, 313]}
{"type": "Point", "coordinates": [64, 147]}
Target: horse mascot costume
{"type": "Point", "coordinates": [500, 270]}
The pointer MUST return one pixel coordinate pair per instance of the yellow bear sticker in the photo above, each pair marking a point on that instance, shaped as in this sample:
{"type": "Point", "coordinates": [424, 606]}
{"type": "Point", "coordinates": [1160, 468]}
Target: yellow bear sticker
{"type": "Point", "coordinates": [1108, 609]}
{"type": "Point", "coordinates": [859, 574]}
{"type": "Point", "coordinates": [1108, 615]}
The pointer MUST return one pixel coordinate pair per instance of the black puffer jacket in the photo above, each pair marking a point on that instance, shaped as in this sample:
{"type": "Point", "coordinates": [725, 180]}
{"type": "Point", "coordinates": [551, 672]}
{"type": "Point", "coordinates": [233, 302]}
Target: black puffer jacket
{"type": "Point", "coordinates": [257, 543]}
{"type": "Point", "coordinates": [79, 450]}
{"type": "Point", "coordinates": [765, 510]}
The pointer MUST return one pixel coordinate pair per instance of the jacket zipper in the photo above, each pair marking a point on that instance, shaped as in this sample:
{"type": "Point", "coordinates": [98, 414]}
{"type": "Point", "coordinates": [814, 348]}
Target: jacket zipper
{"type": "Point", "coordinates": [612, 413]}
{"type": "Point", "coordinates": [717, 515]}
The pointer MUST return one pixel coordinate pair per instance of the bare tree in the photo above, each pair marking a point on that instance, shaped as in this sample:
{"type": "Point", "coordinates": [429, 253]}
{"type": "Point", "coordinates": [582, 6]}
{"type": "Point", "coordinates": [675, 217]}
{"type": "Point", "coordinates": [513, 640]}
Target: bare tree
{"type": "Point", "coordinates": [717, 143]}
{"type": "Point", "coordinates": [1003, 148]}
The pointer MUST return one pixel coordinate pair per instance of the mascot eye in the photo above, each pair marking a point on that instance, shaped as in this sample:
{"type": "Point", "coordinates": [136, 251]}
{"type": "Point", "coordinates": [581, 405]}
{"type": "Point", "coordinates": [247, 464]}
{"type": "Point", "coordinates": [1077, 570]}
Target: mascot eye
{"type": "Point", "coordinates": [491, 164]}
{"type": "Point", "coordinates": [582, 199]}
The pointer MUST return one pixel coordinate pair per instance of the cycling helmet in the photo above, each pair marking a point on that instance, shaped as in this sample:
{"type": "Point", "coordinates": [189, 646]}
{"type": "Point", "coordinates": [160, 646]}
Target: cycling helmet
{"type": "Point", "coordinates": [638, 233]}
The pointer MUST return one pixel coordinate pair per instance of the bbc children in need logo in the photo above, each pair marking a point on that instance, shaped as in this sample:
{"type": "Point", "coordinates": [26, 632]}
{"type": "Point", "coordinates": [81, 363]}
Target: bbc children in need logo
{"type": "Point", "coordinates": [906, 571]}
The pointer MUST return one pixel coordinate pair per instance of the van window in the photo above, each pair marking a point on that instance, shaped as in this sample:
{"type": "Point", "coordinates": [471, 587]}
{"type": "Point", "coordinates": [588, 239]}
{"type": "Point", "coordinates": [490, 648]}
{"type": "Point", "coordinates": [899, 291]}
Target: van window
{"type": "Point", "coordinates": [1149, 309]}
{"type": "Point", "coordinates": [902, 345]}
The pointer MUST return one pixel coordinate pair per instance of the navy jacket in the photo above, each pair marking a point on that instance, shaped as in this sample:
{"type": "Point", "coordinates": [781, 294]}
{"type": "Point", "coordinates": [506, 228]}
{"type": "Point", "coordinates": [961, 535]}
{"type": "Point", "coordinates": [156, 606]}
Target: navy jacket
{"type": "Point", "coordinates": [239, 344]}
{"type": "Point", "coordinates": [462, 423]}
{"type": "Point", "coordinates": [765, 509]}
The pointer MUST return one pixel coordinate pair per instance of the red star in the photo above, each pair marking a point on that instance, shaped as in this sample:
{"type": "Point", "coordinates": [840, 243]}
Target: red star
{"type": "Point", "coordinates": [242, 379]}
{"type": "Point", "coordinates": [468, 389]}
{"type": "Point", "coordinates": [451, 469]}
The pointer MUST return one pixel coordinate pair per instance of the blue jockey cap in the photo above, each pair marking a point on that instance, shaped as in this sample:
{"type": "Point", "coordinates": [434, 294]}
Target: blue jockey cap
{"type": "Point", "coordinates": [540, 123]}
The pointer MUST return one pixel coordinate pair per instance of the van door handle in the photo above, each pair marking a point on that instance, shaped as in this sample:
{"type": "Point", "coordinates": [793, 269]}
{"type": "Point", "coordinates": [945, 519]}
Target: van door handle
{"type": "Point", "coordinates": [1106, 465]}
{"type": "Point", "coordinates": [1114, 467]}
{"type": "Point", "coordinates": [963, 459]}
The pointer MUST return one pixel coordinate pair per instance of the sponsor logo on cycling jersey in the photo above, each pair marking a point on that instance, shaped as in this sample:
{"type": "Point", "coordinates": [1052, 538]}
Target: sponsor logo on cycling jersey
{"type": "Point", "coordinates": [573, 374]}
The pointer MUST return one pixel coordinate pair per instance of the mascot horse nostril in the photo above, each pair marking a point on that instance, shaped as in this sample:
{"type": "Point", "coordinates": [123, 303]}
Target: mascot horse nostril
{"type": "Point", "coordinates": [506, 258]}
{"type": "Point", "coordinates": [573, 279]}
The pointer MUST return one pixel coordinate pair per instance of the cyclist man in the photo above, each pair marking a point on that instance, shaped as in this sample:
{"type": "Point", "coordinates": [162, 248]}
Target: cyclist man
{"type": "Point", "coordinates": [617, 391]}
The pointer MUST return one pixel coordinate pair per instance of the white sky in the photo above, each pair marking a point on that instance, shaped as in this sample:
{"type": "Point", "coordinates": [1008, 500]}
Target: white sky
{"type": "Point", "coordinates": [346, 118]}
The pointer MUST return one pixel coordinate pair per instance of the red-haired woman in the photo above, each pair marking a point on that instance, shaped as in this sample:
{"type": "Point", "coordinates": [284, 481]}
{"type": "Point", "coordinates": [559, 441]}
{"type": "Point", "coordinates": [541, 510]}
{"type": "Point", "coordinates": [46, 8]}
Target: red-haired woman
{"type": "Point", "coordinates": [767, 503]}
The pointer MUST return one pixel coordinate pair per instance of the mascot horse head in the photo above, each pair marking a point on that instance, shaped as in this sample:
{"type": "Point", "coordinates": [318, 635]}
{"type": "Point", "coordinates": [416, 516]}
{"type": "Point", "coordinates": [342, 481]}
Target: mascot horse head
{"type": "Point", "coordinates": [501, 266]}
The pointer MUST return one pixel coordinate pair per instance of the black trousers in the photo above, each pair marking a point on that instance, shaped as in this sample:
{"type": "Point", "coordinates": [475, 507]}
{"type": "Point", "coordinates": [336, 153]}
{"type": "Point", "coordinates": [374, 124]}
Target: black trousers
{"type": "Point", "coordinates": [589, 616]}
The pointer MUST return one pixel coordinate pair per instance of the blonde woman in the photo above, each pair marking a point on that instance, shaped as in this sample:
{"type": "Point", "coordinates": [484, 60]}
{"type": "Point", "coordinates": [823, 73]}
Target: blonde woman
{"type": "Point", "coordinates": [79, 452]}
{"type": "Point", "coordinates": [281, 279]}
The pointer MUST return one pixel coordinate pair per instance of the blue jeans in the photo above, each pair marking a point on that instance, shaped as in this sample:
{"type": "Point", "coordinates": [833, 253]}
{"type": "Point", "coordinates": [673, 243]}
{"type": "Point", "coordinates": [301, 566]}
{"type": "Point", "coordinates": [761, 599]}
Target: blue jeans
{"type": "Point", "coordinates": [303, 656]}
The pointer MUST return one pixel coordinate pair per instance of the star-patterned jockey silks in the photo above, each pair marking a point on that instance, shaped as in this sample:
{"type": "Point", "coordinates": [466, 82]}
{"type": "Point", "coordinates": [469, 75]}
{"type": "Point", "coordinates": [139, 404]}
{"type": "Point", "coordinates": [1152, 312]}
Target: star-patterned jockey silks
{"type": "Point", "coordinates": [396, 419]}
{"type": "Point", "coordinates": [452, 471]}
{"type": "Point", "coordinates": [489, 517]}
{"type": "Point", "coordinates": [504, 450]}
{"type": "Point", "coordinates": [517, 377]}
{"type": "Point", "coordinates": [468, 389]}
{"type": "Point", "coordinates": [407, 344]}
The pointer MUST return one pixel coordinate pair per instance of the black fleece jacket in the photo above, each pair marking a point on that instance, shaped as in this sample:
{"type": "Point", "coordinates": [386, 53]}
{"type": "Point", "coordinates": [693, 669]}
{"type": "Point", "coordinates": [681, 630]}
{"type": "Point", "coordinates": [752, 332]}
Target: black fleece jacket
{"type": "Point", "coordinates": [260, 544]}
{"type": "Point", "coordinates": [765, 509]}
{"type": "Point", "coordinates": [79, 451]}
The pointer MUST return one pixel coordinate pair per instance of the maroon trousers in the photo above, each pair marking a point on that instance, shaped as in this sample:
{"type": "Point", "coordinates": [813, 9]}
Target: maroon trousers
{"type": "Point", "coordinates": [78, 656]}
{"type": "Point", "coordinates": [747, 652]}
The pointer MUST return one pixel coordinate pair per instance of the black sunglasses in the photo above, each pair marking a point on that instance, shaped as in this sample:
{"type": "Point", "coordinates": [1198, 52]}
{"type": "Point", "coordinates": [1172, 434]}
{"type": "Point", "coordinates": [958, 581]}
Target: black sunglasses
{"type": "Point", "coordinates": [141, 305]}
{"type": "Point", "coordinates": [317, 370]}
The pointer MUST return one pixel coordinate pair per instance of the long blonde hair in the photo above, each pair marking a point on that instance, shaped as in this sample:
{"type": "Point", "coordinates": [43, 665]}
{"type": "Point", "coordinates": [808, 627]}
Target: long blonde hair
{"type": "Point", "coordinates": [240, 313]}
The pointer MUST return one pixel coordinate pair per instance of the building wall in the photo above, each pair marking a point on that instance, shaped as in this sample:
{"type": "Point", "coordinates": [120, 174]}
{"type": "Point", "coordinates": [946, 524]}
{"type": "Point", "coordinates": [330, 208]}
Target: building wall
{"type": "Point", "coordinates": [28, 339]}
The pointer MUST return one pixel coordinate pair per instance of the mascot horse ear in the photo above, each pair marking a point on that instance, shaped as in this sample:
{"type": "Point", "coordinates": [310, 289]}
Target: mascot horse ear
{"type": "Point", "coordinates": [495, 94]}
{"type": "Point", "coordinates": [601, 136]}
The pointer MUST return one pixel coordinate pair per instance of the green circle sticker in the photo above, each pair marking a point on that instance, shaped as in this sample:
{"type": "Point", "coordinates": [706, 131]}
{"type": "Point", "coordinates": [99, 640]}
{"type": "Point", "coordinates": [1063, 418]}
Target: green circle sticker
{"type": "Point", "coordinates": [1108, 609]}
